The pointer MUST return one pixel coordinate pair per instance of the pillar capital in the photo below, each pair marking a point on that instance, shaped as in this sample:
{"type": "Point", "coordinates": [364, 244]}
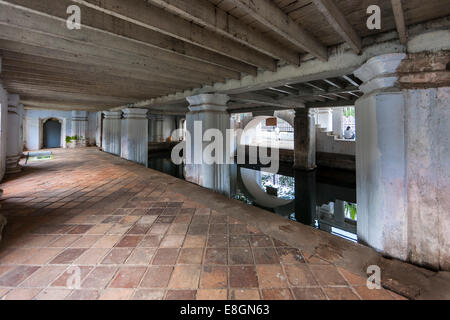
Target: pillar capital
{"type": "Point", "coordinates": [112, 114]}
{"type": "Point", "coordinates": [380, 72]}
{"type": "Point", "coordinates": [208, 102]}
{"type": "Point", "coordinates": [133, 113]}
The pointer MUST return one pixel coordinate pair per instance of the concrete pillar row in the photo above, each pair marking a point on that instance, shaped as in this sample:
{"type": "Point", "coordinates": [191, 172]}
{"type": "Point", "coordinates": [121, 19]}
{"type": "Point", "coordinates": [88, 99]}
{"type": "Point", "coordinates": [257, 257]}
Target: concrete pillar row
{"type": "Point", "coordinates": [402, 154]}
{"type": "Point", "coordinates": [14, 146]}
{"type": "Point", "coordinates": [209, 110]}
{"type": "Point", "coordinates": [135, 135]}
{"type": "Point", "coordinates": [112, 128]}
{"type": "Point", "coordinates": [304, 140]}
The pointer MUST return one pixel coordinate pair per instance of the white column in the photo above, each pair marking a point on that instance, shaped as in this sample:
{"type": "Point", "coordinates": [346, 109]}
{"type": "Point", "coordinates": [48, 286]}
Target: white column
{"type": "Point", "coordinates": [209, 111]}
{"type": "Point", "coordinates": [337, 122]}
{"type": "Point", "coordinates": [112, 127]}
{"type": "Point", "coordinates": [80, 127]}
{"type": "Point", "coordinates": [13, 150]}
{"type": "Point", "coordinates": [135, 135]}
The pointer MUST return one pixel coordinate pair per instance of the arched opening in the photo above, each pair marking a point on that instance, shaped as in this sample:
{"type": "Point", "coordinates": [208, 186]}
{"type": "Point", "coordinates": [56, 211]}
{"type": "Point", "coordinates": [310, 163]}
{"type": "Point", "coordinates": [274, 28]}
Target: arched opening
{"type": "Point", "coordinates": [52, 134]}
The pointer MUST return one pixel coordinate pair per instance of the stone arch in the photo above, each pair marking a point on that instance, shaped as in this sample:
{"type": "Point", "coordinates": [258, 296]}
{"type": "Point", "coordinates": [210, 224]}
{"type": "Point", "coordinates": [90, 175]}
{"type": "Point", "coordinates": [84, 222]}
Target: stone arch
{"type": "Point", "coordinates": [62, 121]}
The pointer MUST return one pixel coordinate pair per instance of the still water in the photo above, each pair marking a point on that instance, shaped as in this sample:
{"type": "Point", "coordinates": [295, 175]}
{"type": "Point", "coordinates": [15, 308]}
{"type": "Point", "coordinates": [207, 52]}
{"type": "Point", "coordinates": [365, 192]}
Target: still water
{"type": "Point", "coordinates": [324, 199]}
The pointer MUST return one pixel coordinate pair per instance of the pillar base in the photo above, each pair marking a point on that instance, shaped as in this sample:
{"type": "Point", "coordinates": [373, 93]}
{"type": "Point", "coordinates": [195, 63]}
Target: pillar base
{"type": "Point", "coordinates": [12, 164]}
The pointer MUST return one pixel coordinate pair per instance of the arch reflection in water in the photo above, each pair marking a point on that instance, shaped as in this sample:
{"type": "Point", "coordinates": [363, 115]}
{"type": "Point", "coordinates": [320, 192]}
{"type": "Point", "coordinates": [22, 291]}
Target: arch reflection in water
{"type": "Point", "coordinates": [324, 199]}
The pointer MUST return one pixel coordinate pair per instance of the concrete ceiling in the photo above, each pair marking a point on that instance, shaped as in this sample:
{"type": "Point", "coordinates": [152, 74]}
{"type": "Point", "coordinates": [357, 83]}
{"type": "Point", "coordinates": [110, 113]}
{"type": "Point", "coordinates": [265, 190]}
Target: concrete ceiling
{"type": "Point", "coordinates": [135, 50]}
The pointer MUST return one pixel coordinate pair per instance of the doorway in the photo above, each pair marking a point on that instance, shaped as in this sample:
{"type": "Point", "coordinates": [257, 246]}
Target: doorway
{"type": "Point", "coordinates": [52, 134]}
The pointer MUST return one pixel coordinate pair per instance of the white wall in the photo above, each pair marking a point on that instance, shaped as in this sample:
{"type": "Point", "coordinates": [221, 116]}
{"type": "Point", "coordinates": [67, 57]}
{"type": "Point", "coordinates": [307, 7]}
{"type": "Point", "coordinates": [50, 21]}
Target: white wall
{"type": "Point", "coordinates": [33, 120]}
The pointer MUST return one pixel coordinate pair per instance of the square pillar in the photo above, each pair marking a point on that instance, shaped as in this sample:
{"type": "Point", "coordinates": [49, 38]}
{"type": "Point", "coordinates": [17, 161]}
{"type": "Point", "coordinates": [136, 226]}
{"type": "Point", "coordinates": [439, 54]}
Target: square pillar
{"type": "Point", "coordinates": [207, 111]}
{"type": "Point", "coordinates": [112, 127]}
{"type": "Point", "coordinates": [13, 136]}
{"type": "Point", "coordinates": [338, 130]}
{"type": "Point", "coordinates": [304, 140]}
{"type": "Point", "coordinates": [402, 154]}
{"type": "Point", "coordinates": [135, 136]}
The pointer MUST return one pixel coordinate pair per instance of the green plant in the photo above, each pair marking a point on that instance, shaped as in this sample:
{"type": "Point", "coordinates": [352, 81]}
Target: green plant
{"type": "Point", "coordinates": [349, 112]}
{"type": "Point", "coordinates": [68, 139]}
{"type": "Point", "coordinates": [350, 210]}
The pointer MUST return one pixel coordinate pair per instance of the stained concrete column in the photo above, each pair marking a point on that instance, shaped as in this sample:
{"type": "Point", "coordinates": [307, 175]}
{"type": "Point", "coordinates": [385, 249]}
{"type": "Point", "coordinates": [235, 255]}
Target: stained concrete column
{"type": "Point", "coordinates": [112, 127]}
{"type": "Point", "coordinates": [337, 122]}
{"type": "Point", "coordinates": [402, 154]}
{"type": "Point", "coordinates": [159, 128]}
{"type": "Point", "coordinates": [304, 140]}
{"type": "Point", "coordinates": [3, 129]}
{"type": "Point", "coordinates": [80, 127]}
{"type": "Point", "coordinates": [207, 111]}
{"type": "Point", "coordinates": [135, 135]}
{"type": "Point", "coordinates": [13, 136]}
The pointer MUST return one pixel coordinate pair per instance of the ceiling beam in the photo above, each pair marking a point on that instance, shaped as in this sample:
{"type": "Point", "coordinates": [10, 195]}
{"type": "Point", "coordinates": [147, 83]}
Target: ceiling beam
{"type": "Point", "coordinates": [339, 23]}
{"type": "Point", "coordinates": [399, 15]}
{"type": "Point", "coordinates": [141, 13]}
{"type": "Point", "coordinates": [270, 15]}
{"type": "Point", "coordinates": [207, 14]}
{"type": "Point", "coordinates": [93, 19]}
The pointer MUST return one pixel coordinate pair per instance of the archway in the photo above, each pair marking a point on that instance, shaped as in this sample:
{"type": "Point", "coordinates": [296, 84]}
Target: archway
{"type": "Point", "coordinates": [52, 134]}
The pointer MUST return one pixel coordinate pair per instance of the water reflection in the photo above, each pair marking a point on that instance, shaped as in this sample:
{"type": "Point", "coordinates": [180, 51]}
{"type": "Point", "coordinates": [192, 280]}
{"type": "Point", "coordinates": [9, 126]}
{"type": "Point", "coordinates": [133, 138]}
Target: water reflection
{"type": "Point", "coordinates": [324, 199]}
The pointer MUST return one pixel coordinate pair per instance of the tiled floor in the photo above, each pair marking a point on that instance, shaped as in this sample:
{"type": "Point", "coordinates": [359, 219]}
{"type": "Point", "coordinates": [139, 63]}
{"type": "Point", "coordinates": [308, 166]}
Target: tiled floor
{"type": "Point", "coordinates": [91, 226]}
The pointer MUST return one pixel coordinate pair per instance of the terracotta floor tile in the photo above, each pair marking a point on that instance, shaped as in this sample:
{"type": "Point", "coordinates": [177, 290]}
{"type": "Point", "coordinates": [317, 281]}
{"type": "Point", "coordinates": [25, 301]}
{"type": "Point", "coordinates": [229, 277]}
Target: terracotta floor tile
{"type": "Point", "coordinates": [290, 255]}
{"type": "Point", "coordinates": [178, 229]}
{"type": "Point", "coordinates": [194, 241]}
{"type": "Point", "coordinates": [308, 294]}
{"type": "Point", "coordinates": [266, 256]}
{"type": "Point", "coordinates": [148, 294]}
{"type": "Point", "coordinates": [327, 275]}
{"type": "Point", "coordinates": [53, 294]}
{"type": "Point", "coordinates": [181, 295]}
{"type": "Point", "coordinates": [43, 256]}
{"type": "Point", "coordinates": [159, 228]}
{"type": "Point", "coordinates": [43, 277]}
{"type": "Point", "coordinates": [139, 229]}
{"type": "Point", "coordinates": [352, 278]}
{"type": "Point", "coordinates": [276, 294]}
{"type": "Point", "coordinates": [151, 241]}
{"type": "Point", "coordinates": [15, 276]}
{"type": "Point", "coordinates": [99, 278]}
{"type": "Point", "coordinates": [129, 242]}
{"type": "Point", "coordinates": [240, 256]}
{"type": "Point", "coordinates": [64, 241]}
{"type": "Point", "coordinates": [107, 241]}
{"type": "Point", "coordinates": [83, 295]}
{"type": "Point", "coordinates": [212, 294]}
{"type": "Point", "coordinates": [191, 256]}
{"type": "Point", "coordinates": [340, 294]}
{"type": "Point", "coordinates": [80, 229]}
{"type": "Point", "coordinates": [157, 277]}
{"type": "Point", "coordinates": [67, 280]}
{"type": "Point", "coordinates": [128, 277]}
{"type": "Point", "coordinates": [375, 294]}
{"type": "Point", "coordinates": [92, 256]}
{"type": "Point", "coordinates": [271, 276]}
{"type": "Point", "coordinates": [217, 241]}
{"type": "Point", "coordinates": [68, 256]}
{"type": "Point", "coordinates": [172, 241]}
{"type": "Point", "coordinates": [216, 256]}
{"type": "Point", "coordinates": [117, 256]}
{"type": "Point", "coordinates": [185, 277]}
{"type": "Point", "coordinates": [239, 241]}
{"type": "Point", "coordinates": [214, 277]}
{"type": "Point", "coordinates": [86, 241]}
{"type": "Point", "coordinates": [244, 294]}
{"type": "Point", "coordinates": [141, 256]}
{"type": "Point", "coordinates": [243, 277]}
{"type": "Point", "coordinates": [18, 256]}
{"type": "Point", "coordinates": [300, 276]}
{"type": "Point", "coordinates": [261, 241]}
{"type": "Point", "coordinates": [22, 294]}
{"type": "Point", "coordinates": [116, 294]}
{"type": "Point", "coordinates": [166, 256]}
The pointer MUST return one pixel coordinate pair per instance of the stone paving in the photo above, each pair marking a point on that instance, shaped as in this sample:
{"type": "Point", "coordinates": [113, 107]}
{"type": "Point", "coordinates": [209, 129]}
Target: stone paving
{"type": "Point", "coordinates": [88, 225]}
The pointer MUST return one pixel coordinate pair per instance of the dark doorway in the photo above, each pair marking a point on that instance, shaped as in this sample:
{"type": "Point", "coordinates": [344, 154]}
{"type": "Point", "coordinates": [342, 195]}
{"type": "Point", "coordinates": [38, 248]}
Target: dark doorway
{"type": "Point", "coordinates": [52, 134]}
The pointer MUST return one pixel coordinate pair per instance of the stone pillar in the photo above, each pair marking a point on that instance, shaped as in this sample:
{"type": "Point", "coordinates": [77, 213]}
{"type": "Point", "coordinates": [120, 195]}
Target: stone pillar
{"type": "Point", "coordinates": [402, 154]}
{"type": "Point", "coordinates": [304, 140]}
{"type": "Point", "coordinates": [112, 127]}
{"type": "Point", "coordinates": [159, 128]}
{"type": "Point", "coordinates": [13, 136]}
{"type": "Point", "coordinates": [80, 128]}
{"type": "Point", "coordinates": [210, 112]}
{"type": "Point", "coordinates": [135, 135]}
{"type": "Point", "coordinates": [337, 122]}
{"type": "Point", "coordinates": [3, 129]}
